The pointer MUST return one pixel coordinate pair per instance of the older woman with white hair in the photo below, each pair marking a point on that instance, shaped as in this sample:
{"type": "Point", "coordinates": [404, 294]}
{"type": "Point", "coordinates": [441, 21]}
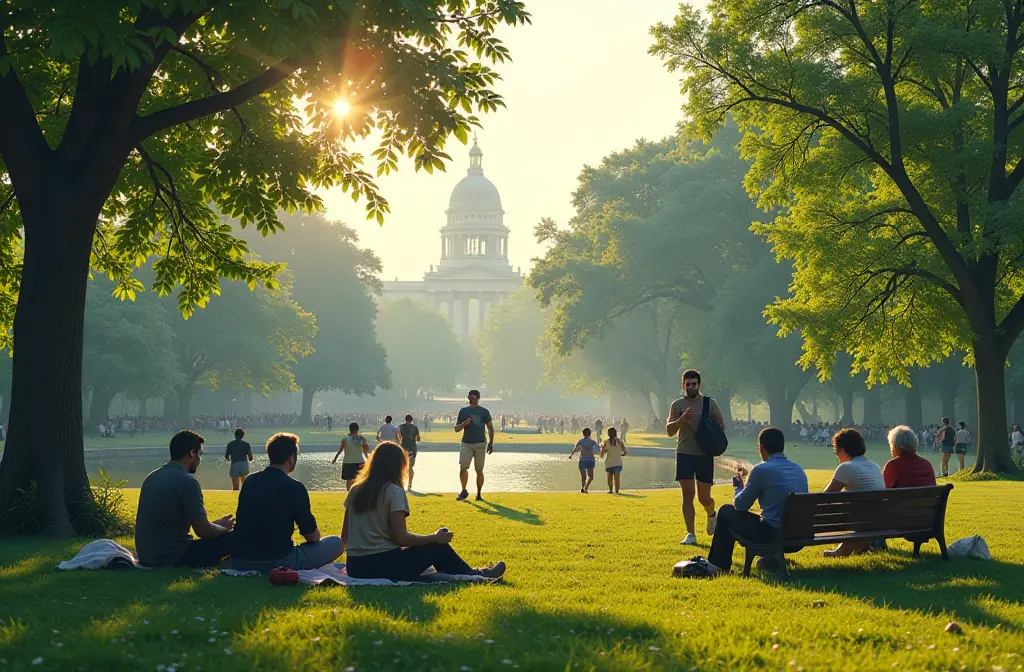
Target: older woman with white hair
{"type": "Point", "coordinates": [906, 469]}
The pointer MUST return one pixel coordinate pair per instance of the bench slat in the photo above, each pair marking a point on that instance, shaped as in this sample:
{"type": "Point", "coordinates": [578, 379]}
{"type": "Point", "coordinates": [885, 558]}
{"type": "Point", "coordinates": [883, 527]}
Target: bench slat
{"type": "Point", "coordinates": [893, 494]}
{"type": "Point", "coordinates": [918, 523]}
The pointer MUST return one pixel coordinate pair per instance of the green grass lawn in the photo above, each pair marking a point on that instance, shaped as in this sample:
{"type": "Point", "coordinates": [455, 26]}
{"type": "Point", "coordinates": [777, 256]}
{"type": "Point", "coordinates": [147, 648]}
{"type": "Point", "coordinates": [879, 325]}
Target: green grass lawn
{"type": "Point", "coordinates": [589, 587]}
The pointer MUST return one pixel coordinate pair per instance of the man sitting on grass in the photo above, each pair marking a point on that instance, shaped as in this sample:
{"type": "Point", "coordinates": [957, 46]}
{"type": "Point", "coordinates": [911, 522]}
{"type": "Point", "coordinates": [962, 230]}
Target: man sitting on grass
{"type": "Point", "coordinates": [270, 505]}
{"type": "Point", "coordinates": [171, 502]}
{"type": "Point", "coordinates": [769, 483]}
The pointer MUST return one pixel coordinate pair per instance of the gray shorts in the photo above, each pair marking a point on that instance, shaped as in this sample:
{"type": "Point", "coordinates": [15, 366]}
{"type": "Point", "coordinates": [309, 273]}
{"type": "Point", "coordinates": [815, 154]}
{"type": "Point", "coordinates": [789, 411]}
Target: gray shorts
{"type": "Point", "coordinates": [306, 556]}
{"type": "Point", "coordinates": [240, 468]}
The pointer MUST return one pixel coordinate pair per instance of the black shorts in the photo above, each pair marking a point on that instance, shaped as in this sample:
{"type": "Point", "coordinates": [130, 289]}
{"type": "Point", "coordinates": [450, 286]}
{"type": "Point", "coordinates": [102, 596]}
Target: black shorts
{"type": "Point", "coordinates": [350, 470]}
{"type": "Point", "coordinates": [700, 467]}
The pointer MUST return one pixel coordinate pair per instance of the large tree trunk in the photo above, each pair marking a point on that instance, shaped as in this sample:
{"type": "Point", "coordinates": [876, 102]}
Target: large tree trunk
{"type": "Point", "coordinates": [780, 407]}
{"type": "Point", "coordinates": [914, 414]}
{"type": "Point", "coordinates": [847, 396]}
{"type": "Point", "coordinates": [143, 407]}
{"type": "Point", "coordinates": [184, 393]}
{"type": "Point", "coordinates": [170, 414]}
{"type": "Point", "coordinates": [99, 406]}
{"type": "Point", "coordinates": [990, 372]}
{"type": "Point", "coordinates": [948, 395]}
{"type": "Point", "coordinates": [873, 406]}
{"type": "Point", "coordinates": [306, 414]}
{"type": "Point", "coordinates": [44, 443]}
{"type": "Point", "coordinates": [724, 400]}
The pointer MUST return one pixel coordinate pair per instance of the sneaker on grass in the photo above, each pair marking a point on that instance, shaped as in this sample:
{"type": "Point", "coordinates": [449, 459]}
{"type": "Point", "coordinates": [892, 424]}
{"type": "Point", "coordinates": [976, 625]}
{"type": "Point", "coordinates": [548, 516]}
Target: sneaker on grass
{"type": "Point", "coordinates": [689, 540]}
{"type": "Point", "coordinates": [463, 495]}
{"type": "Point", "coordinates": [495, 571]}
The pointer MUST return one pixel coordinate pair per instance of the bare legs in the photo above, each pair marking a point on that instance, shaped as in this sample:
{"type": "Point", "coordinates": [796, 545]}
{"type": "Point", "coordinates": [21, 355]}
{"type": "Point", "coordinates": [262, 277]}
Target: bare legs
{"type": "Point", "coordinates": [703, 492]}
{"type": "Point", "coordinates": [613, 478]}
{"type": "Point", "coordinates": [586, 478]}
{"type": "Point", "coordinates": [945, 464]}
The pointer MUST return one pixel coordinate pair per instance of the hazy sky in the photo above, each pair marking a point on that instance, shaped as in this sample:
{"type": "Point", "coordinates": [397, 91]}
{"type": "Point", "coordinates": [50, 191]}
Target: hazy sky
{"type": "Point", "coordinates": [581, 85]}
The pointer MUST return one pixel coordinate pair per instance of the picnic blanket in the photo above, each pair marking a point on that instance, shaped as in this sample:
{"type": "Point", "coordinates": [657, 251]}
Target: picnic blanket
{"type": "Point", "coordinates": [102, 554]}
{"type": "Point", "coordinates": [335, 574]}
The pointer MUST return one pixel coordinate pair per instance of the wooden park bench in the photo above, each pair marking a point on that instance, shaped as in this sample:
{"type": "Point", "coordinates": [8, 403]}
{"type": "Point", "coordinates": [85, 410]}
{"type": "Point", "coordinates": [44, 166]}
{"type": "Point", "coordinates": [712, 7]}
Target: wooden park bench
{"type": "Point", "coordinates": [815, 519]}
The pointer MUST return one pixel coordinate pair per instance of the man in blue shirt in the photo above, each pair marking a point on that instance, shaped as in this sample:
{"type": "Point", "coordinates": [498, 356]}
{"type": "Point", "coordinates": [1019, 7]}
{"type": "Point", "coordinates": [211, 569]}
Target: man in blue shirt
{"type": "Point", "coordinates": [476, 446]}
{"type": "Point", "coordinates": [769, 483]}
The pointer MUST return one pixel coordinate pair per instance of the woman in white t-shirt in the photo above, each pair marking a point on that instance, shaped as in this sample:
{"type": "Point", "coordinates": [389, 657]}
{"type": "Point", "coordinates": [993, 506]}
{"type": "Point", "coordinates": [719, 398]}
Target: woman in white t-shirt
{"type": "Point", "coordinates": [612, 451]}
{"type": "Point", "coordinates": [378, 543]}
{"type": "Point", "coordinates": [854, 473]}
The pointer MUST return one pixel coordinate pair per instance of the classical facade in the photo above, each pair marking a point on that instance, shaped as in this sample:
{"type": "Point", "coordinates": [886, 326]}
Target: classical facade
{"type": "Point", "coordinates": [473, 274]}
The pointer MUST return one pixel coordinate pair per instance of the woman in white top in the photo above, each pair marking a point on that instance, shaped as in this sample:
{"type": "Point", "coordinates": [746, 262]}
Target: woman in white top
{"type": "Point", "coordinates": [378, 543]}
{"type": "Point", "coordinates": [854, 473]}
{"type": "Point", "coordinates": [612, 451]}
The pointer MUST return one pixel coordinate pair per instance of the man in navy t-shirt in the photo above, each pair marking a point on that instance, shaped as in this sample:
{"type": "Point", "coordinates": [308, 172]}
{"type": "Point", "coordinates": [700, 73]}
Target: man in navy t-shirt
{"type": "Point", "coordinates": [270, 506]}
{"type": "Point", "coordinates": [476, 445]}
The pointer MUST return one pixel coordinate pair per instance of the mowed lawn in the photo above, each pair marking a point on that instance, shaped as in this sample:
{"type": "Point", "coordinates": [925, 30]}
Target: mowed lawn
{"type": "Point", "coordinates": [589, 587]}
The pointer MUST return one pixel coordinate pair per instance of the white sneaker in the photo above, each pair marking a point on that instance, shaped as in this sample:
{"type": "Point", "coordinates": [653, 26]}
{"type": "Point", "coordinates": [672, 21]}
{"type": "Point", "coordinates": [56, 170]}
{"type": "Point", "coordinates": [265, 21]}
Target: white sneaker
{"type": "Point", "coordinates": [689, 540]}
{"type": "Point", "coordinates": [712, 523]}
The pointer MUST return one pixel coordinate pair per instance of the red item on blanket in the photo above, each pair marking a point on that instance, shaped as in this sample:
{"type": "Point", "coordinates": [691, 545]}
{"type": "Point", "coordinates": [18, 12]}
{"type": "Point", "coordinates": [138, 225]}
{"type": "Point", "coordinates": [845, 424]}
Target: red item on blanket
{"type": "Point", "coordinates": [282, 576]}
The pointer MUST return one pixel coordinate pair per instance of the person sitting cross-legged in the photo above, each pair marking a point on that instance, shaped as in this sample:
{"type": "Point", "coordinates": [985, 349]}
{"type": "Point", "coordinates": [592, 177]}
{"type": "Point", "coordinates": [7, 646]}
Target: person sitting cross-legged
{"type": "Point", "coordinates": [769, 483]}
{"type": "Point", "coordinates": [171, 502]}
{"type": "Point", "coordinates": [378, 542]}
{"type": "Point", "coordinates": [270, 505]}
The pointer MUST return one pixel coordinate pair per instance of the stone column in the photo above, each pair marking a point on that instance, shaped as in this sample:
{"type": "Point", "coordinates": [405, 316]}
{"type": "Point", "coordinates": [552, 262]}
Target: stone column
{"type": "Point", "coordinates": [451, 309]}
{"type": "Point", "coordinates": [464, 314]}
{"type": "Point", "coordinates": [481, 314]}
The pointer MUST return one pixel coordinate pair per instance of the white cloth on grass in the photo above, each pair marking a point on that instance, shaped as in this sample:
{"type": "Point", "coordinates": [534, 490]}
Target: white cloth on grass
{"type": "Point", "coordinates": [102, 554]}
{"type": "Point", "coordinates": [970, 547]}
{"type": "Point", "coordinates": [337, 575]}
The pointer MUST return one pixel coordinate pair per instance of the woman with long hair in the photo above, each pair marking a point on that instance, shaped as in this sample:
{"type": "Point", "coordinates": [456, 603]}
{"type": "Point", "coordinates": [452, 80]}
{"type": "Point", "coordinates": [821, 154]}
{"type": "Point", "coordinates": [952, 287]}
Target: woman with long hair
{"type": "Point", "coordinates": [612, 451]}
{"type": "Point", "coordinates": [378, 543]}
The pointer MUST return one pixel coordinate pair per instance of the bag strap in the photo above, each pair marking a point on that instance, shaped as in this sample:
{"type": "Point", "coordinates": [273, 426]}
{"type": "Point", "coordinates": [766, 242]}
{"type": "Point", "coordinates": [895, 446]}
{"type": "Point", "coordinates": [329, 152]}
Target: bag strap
{"type": "Point", "coordinates": [707, 406]}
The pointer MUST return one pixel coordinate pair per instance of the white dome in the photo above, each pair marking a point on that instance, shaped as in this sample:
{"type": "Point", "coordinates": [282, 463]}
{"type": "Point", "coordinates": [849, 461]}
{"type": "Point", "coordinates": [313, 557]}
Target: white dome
{"type": "Point", "coordinates": [474, 192]}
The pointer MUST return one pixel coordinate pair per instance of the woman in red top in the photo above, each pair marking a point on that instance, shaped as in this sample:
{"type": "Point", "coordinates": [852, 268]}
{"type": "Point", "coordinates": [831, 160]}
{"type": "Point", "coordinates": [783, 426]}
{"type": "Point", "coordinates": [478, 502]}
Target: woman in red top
{"type": "Point", "coordinates": [906, 469]}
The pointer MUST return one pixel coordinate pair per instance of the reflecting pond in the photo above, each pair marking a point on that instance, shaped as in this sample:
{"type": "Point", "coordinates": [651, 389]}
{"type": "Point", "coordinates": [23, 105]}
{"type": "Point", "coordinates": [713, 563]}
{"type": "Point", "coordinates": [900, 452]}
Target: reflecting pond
{"type": "Point", "coordinates": [436, 471]}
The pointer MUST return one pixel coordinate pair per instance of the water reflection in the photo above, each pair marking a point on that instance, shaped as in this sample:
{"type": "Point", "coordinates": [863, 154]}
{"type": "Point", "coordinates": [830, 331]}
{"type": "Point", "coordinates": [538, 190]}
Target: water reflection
{"type": "Point", "coordinates": [436, 471]}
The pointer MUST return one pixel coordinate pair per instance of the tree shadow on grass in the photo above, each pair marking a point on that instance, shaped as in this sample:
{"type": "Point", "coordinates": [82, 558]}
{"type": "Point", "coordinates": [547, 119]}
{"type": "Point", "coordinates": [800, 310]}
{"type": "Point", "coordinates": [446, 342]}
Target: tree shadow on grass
{"type": "Point", "coordinates": [894, 579]}
{"type": "Point", "coordinates": [526, 516]}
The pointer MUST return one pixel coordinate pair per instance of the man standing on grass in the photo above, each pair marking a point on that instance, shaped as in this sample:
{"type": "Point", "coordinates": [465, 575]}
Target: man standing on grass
{"type": "Point", "coordinates": [410, 437]}
{"type": "Point", "coordinates": [695, 470]}
{"type": "Point", "coordinates": [769, 483]}
{"type": "Point", "coordinates": [171, 502]}
{"type": "Point", "coordinates": [476, 446]}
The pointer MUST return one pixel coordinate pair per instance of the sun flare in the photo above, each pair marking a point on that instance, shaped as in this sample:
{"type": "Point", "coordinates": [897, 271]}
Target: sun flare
{"type": "Point", "coordinates": [342, 107]}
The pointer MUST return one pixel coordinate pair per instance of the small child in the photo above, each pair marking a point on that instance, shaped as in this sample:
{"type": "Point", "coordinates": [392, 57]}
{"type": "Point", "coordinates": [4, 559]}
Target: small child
{"type": "Point", "coordinates": [586, 447]}
{"type": "Point", "coordinates": [612, 451]}
{"type": "Point", "coordinates": [356, 449]}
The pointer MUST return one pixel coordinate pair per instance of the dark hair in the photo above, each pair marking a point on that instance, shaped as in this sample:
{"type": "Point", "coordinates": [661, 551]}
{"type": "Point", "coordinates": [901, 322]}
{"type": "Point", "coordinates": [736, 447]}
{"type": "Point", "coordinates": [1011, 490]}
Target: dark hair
{"type": "Point", "coordinates": [282, 446]}
{"type": "Point", "coordinates": [772, 440]}
{"type": "Point", "coordinates": [353, 426]}
{"type": "Point", "coordinates": [474, 392]}
{"type": "Point", "coordinates": [692, 373]}
{"type": "Point", "coordinates": [408, 418]}
{"type": "Point", "coordinates": [184, 442]}
{"type": "Point", "coordinates": [586, 431]}
{"type": "Point", "coordinates": [387, 464]}
{"type": "Point", "coordinates": [612, 435]}
{"type": "Point", "coordinates": [388, 419]}
{"type": "Point", "coordinates": [962, 426]}
{"type": "Point", "coordinates": [239, 433]}
{"type": "Point", "coordinates": [945, 421]}
{"type": "Point", "coordinates": [850, 442]}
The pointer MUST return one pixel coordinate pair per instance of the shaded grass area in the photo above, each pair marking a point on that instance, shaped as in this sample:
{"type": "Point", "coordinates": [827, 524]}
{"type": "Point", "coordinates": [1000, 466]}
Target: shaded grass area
{"type": "Point", "coordinates": [589, 587]}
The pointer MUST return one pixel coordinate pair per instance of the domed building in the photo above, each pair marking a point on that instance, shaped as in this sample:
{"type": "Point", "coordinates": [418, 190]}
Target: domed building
{"type": "Point", "coordinates": [473, 274]}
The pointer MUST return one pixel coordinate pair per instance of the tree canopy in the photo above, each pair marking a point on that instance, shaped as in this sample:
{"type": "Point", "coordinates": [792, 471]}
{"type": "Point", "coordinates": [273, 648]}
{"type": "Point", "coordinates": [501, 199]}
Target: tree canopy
{"type": "Point", "coordinates": [334, 279]}
{"type": "Point", "coordinates": [509, 346]}
{"type": "Point", "coordinates": [890, 133]}
{"type": "Point", "coordinates": [423, 353]}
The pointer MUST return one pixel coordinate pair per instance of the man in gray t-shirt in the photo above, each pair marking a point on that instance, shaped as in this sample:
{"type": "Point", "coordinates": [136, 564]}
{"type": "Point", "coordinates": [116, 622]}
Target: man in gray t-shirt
{"type": "Point", "coordinates": [170, 503]}
{"type": "Point", "coordinates": [471, 422]}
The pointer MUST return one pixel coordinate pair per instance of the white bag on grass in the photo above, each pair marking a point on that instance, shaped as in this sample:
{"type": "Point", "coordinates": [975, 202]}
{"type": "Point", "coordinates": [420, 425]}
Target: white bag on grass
{"type": "Point", "coordinates": [970, 547]}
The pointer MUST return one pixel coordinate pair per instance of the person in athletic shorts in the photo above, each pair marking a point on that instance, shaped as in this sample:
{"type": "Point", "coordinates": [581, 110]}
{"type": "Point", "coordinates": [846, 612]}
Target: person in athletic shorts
{"type": "Point", "coordinates": [388, 431]}
{"type": "Point", "coordinates": [410, 437]}
{"type": "Point", "coordinates": [586, 447]}
{"type": "Point", "coordinates": [612, 451]}
{"type": "Point", "coordinates": [695, 471]}
{"type": "Point", "coordinates": [239, 454]}
{"type": "Point", "coordinates": [947, 443]}
{"type": "Point", "coordinates": [356, 449]}
{"type": "Point", "coordinates": [475, 444]}
{"type": "Point", "coordinates": [961, 441]}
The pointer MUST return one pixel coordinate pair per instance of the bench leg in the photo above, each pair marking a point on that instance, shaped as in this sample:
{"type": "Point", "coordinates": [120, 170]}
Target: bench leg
{"type": "Point", "coordinates": [780, 557]}
{"type": "Point", "coordinates": [748, 561]}
{"type": "Point", "coordinates": [917, 549]}
{"type": "Point", "coordinates": [942, 546]}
